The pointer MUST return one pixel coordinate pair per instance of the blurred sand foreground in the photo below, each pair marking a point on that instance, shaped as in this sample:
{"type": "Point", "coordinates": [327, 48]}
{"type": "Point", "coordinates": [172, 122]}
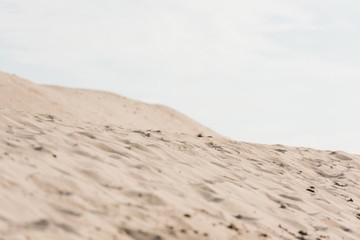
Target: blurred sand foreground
{"type": "Point", "coordinates": [80, 164]}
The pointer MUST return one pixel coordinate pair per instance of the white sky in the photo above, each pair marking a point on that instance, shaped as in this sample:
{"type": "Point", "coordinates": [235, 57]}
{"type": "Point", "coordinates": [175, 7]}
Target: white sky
{"type": "Point", "coordinates": [256, 70]}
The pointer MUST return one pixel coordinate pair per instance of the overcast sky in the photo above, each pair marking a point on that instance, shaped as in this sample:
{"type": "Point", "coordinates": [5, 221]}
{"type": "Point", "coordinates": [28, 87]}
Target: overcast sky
{"type": "Point", "coordinates": [256, 70]}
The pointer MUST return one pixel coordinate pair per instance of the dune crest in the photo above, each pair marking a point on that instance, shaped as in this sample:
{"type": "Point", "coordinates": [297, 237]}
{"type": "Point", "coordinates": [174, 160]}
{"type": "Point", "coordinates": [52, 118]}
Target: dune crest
{"type": "Point", "coordinates": [92, 106]}
{"type": "Point", "coordinates": [66, 176]}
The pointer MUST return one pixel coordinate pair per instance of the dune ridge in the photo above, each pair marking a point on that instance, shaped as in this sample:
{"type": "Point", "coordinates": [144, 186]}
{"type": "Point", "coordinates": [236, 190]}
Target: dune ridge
{"type": "Point", "coordinates": [68, 176]}
{"type": "Point", "coordinates": [92, 106]}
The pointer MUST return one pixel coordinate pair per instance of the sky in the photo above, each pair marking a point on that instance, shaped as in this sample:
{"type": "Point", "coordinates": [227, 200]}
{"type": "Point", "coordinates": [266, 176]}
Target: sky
{"type": "Point", "coordinates": [274, 72]}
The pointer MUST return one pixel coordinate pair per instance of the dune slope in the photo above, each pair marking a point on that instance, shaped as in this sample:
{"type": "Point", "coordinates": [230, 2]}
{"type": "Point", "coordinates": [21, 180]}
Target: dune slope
{"type": "Point", "coordinates": [66, 179]}
{"type": "Point", "coordinates": [92, 106]}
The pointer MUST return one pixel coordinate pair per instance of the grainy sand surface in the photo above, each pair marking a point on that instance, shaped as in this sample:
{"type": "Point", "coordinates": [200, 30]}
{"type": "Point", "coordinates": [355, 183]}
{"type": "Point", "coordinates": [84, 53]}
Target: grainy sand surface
{"type": "Point", "coordinates": [79, 164]}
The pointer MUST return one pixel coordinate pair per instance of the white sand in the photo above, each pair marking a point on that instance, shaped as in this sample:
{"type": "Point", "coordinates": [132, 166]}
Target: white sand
{"type": "Point", "coordinates": [79, 164]}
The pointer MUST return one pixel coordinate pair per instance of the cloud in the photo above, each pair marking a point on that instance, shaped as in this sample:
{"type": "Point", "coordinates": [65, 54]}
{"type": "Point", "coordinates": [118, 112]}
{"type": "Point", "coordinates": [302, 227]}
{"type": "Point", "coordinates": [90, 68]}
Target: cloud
{"type": "Point", "coordinates": [264, 71]}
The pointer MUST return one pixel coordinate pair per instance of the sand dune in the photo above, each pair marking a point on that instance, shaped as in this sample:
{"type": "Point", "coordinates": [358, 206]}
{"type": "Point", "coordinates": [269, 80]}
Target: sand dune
{"type": "Point", "coordinates": [92, 106]}
{"type": "Point", "coordinates": [67, 172]}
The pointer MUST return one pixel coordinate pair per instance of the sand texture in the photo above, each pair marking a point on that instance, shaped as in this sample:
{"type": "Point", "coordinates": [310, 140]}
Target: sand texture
{"type": "Point", "coordinates": [79, 164]}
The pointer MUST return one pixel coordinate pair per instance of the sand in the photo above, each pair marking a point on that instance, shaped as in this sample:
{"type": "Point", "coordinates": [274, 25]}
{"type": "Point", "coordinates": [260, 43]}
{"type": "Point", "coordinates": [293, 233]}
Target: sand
{"type": "Point", "coordinates": [78, 105]}
{"type": "Point", "coordinates": [80, 164]}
